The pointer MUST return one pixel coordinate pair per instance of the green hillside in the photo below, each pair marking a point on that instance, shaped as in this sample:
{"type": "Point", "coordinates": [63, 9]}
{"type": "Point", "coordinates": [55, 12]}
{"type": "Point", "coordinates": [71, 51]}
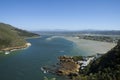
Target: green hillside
{"type": "Point", "coordinates": [107, 67]}
{"type": "Point", "coordinates": [12, 37]}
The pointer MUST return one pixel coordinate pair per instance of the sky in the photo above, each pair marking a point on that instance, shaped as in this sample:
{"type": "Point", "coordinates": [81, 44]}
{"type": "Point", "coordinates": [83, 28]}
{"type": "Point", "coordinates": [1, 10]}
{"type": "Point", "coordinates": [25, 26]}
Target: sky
{"type": "Point", "coordinates": [37, 15]}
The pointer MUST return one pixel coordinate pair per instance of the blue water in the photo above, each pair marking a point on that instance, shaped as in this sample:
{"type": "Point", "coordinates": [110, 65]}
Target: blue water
{"type": "Point", "coordinates": [26, 64]}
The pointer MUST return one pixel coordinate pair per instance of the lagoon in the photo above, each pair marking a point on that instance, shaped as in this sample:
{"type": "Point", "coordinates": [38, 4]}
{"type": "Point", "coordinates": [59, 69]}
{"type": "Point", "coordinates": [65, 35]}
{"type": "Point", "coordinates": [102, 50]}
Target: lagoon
{"type": "Point", "coordinates": [26, 64]}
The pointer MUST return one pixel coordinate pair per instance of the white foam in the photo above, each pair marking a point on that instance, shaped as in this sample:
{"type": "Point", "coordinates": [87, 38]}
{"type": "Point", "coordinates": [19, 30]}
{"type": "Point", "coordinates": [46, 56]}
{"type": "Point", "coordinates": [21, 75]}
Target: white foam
{"type": "Point", "coordinates": [44, 71]}
{"type": "Point", "coordinates": [7, 52]}
{"type": "Point", "coordinates": [51, 38]}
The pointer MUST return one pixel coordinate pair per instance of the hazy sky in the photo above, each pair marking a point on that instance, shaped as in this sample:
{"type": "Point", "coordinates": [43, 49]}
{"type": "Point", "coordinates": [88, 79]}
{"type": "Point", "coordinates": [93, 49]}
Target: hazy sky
{"type": "Point", "coordinates": [61, 14]}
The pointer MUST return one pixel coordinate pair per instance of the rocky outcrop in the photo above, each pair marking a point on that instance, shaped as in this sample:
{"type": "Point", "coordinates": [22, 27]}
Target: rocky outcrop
{"type": "Point", "coordinates": [67, 66]}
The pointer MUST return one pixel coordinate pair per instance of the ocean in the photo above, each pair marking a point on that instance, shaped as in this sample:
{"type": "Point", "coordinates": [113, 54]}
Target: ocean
{"type": "Point", "coordinates": [26, 64]}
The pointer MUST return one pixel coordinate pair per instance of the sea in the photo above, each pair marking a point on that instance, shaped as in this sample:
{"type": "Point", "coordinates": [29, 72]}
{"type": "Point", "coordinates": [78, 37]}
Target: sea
{"type": "Point", "coordinates": [26, 64]}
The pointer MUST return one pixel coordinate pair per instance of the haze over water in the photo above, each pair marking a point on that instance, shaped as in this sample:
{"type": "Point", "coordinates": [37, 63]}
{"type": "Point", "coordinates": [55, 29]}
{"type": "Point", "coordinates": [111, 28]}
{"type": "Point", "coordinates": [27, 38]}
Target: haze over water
{"type": "Point", "coordinates": [26, 64]}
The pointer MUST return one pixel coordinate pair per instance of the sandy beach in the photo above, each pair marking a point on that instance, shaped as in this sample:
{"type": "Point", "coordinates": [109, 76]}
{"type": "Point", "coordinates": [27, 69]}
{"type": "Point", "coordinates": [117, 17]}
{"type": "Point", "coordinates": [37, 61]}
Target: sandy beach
{"type": "Point", "coordinates": [91, 46]}
{"type": "Point", "coordinates": [10, 49]}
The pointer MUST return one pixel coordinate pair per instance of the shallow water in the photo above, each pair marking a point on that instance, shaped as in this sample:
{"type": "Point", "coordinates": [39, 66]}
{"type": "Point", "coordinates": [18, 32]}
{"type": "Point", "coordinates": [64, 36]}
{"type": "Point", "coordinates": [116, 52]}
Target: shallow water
{"type": "Point", "coordinates": [26, 64]}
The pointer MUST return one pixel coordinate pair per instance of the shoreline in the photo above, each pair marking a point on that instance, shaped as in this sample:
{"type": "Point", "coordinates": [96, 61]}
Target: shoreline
{"type": "Point", "coordinates": [10, 49]}
{"type": "Point", "coordinates": [91, 46]}
{"type": "Point", "coordinates": [32, 37]}
{"type": "Point", "coordinates": [26, 45]}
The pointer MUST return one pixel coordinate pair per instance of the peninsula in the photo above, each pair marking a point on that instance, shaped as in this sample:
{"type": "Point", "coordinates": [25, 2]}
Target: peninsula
{"type": "Point", "coordinates": [12, 38]}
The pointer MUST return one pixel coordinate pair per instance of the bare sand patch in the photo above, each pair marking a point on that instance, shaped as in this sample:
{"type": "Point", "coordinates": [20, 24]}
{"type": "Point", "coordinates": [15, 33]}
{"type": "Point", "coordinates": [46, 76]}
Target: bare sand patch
{"type": "Point", "coordinates": [92, 46]}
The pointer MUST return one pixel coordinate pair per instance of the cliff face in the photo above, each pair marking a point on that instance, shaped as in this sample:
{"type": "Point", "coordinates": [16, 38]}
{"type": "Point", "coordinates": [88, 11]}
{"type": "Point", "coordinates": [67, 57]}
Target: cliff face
{"type": "Point", "coordinates": [10, 37]}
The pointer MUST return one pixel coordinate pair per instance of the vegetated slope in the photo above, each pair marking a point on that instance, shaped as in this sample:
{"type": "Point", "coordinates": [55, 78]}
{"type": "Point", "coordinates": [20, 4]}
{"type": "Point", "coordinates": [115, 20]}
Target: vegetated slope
{"type": "Point", "coordinates": [20, 32]}
{"type": "Point", "coordinates": [12, 37]}
{"type": "Point", "coordinates": [108, 66]}
{"type": "Point", "coordinates": [24, 33]}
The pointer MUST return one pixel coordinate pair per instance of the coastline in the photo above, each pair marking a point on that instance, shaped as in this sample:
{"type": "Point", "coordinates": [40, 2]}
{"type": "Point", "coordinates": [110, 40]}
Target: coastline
{"type": "Point", "coordinates": [10, 49]}
{"type": "Point", "coordinates": [26, 45]}
{"type": "Point", "coordinates": [91, 46]}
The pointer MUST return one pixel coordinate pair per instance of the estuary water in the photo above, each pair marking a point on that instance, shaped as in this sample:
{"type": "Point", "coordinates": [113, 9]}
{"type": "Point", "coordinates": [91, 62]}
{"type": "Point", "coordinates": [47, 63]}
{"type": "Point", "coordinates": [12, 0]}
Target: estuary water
{"type": "Point", "coordinates": [25, 64]}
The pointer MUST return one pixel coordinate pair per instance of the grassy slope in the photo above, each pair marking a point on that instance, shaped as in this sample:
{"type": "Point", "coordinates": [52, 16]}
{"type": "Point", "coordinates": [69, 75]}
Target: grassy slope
{"type": "Point", "coordinates": [24, 33]}
{"type": "Point", "coordinates": [12, 37]}
{"type": "Point", "coordinates": [108, 65]}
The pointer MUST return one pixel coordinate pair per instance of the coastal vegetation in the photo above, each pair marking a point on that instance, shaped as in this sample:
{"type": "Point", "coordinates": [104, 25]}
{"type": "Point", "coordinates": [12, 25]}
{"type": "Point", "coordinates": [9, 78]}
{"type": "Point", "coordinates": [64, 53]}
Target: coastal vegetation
{"type": "Point", "coordinates": [108, 66]}
{"type": "Point", "coordinates": [77, 58]}
{"type": "Point", "coordinates": [99, 38]}
{"type": "Point", "coordinates": [11, 37]}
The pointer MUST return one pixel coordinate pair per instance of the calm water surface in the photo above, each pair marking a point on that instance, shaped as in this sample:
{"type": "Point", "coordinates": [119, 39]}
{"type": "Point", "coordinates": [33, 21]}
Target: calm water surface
{"type": "Point", "coordinates": [26, 64]}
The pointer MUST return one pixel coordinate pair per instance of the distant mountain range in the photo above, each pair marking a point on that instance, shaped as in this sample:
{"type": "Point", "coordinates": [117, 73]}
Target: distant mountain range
{"type": "Point", "coordinates": [99, 32]}
{"type": "Point", "coordinates": [13, 37]}
{"type": "Point", "coordinates": [103, 32]}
